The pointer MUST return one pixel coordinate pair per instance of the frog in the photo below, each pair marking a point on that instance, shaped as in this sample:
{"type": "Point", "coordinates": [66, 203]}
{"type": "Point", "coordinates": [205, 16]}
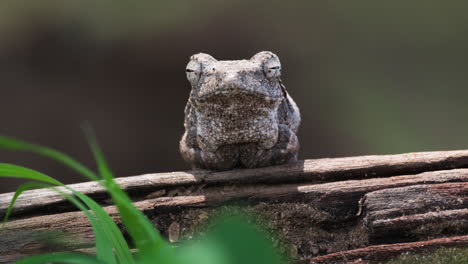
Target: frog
{"type": "Point", "coordinates": [238, 114]}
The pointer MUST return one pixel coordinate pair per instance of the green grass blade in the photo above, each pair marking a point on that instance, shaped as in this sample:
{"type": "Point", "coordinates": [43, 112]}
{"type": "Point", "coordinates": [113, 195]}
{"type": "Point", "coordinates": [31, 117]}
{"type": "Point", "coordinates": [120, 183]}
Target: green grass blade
{"type": "Point", "coordinates": [60, 258]}
{"type": "Point", "coordinates": [18, 192]}
{"type": "Point", "coordinates": [18, 145]}
{"type": "Point", "coordinates": [10, 170]}
{"type": "Point", "coordinates": [122, 249]}
{"type": "Point", "coordinates": [106, 231]}
{"type": "Point", "coordinates": [146, 238]}
{"type": "Point", "coordinates": [104, 247]}
{"type": "Point", "coordinates": [103, 244]}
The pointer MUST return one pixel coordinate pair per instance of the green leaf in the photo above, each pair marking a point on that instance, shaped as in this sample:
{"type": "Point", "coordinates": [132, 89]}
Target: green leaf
{"type": "Point", "coordinates": [10, 170]}
{"type": "Point", "coordinates": [104, 244]}
{"type": "Point", "coordinates": [111, 230]}
{"type": "Point", "coordinates": [60, 258]}
{"type": "Point", "coordinates": [206, 252]}
{"type": "Point", "coordinates": [17, 145]}
{"type": "Point", "coordinates": [232, 240]}
{"type": "Point", "coordinates": [18, 192]}
{"type": "Point", "coordinates": [106, 231]}
{"type": "Point", "coordinates": [147, 239]}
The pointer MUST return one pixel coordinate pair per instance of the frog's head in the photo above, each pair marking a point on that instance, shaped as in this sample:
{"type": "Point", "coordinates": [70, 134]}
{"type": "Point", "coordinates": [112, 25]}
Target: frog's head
{"type": "Point", "coordinates": [237, 83]}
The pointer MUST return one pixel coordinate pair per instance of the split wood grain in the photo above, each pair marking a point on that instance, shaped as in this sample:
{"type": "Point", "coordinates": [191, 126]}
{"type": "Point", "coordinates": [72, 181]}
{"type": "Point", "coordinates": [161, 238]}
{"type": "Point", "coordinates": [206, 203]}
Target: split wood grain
{"type": "Point", "coordinates": [310, 171]}
{"type": "Point", "coordinates": [339, 198]}
{"type": "Point", "coordinates": [384, 252]}
{"type": "Point", "coordinates": [417, 211]}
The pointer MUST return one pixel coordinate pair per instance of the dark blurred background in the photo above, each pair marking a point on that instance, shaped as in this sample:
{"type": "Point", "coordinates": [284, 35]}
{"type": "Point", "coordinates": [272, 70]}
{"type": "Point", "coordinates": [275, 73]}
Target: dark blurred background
{"type": "Point", "coordinates": [370, 77]}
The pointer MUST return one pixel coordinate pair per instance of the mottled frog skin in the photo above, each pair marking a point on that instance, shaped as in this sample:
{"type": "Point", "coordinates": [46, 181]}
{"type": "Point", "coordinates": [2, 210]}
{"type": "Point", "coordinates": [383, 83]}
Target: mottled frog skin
{"type": "Point", "coordinates": [239, 114]}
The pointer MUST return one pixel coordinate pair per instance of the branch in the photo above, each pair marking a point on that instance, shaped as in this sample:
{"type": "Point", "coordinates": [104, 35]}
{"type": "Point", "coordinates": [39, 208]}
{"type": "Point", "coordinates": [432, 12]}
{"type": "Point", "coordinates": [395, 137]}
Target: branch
{"type": "Point", "coordinates": [310, 171]}
{"type": "Point", "coordinates": [340, 199]}
{"type": "Point", "coordinates": [384, 252]}
{"type": "Point", "coordinates": [417, 211]}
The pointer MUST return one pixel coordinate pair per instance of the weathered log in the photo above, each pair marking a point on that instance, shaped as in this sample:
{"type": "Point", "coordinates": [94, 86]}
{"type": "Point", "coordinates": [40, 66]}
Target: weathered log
{"type": "Point", "coordinates": [310, 171]}
{"type": "Point", "coordinates": [417, 211]}
{"type": "Point", "coordinates": [339, 199]}
{"type": "Point", "coordinates": [384, 252]}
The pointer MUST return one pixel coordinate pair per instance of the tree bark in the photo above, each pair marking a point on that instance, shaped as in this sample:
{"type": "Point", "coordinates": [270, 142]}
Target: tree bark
{"type": "Point", "coordinates": [332, 186]}
{"type": "Point", "coordinates": [384, 252]}
{"type": "Point", "coordinates": [310, 171]}
{"type": "Point", "coordinates": [417, 211]}
{"type": "Point", "coordinates": [339, 199]}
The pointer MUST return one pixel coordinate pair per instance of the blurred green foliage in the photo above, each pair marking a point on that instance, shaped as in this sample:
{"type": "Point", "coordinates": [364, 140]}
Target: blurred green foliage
{"type": "Point", "coordinates": [231, 240]}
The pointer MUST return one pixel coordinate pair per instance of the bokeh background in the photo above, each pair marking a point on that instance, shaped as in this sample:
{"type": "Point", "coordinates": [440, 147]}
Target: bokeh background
{"type": "Point", "coordinates": [370, 77]}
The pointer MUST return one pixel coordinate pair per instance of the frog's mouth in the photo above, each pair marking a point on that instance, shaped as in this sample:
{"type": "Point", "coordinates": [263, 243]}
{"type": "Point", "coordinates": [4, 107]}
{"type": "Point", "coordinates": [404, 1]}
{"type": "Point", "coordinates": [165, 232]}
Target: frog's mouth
{"type": "Point", "coordinates": [237, 114]}
{"type": "Point", "coordinates": [236, 98]}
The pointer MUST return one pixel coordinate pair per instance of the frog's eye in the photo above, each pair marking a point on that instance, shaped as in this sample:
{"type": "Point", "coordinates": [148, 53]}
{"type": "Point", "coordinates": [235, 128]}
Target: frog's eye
{"type": "Point", "coordinates": [270, 63]}
{"type": "Point", "coordinates": [272, 69]}
{"type": "Point", "coordinates": [193, 72]}
{"type": "Point", "coordinates": [272, 72]}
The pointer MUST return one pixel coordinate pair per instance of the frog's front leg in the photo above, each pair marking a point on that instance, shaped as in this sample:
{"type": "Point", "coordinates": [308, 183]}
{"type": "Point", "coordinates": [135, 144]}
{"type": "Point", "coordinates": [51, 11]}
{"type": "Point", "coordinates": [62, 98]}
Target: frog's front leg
{"type": "Point", "coordinates": [284, 151]}
{"type": "Point", "coordinates": [224, 158]}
